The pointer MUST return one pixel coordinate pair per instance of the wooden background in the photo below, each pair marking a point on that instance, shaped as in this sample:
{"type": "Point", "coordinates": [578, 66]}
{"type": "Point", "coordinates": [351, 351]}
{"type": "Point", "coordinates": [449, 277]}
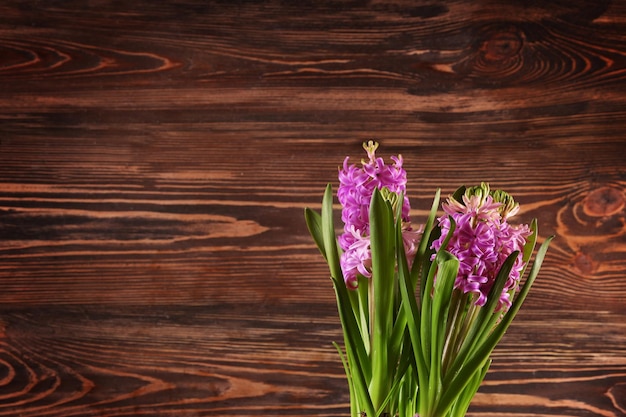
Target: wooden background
{"type": "Point", "coordinates": [156, 158]}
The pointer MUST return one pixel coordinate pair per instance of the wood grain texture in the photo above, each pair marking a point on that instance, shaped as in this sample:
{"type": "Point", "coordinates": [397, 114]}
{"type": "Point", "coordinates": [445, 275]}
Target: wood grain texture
{"type": "Point", "coordinates": [156, 158]}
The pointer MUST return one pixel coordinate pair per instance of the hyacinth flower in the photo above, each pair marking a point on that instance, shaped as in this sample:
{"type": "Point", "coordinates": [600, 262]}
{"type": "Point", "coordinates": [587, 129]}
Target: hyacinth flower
{"type": "Point", "coordinates": [362, 263]}
{"type": "Point", "coordinates": [470, 294]}
{"type": "Point", "coordinates": [356, 187]}
{"type": "Point", "coordinates": [421, 308]}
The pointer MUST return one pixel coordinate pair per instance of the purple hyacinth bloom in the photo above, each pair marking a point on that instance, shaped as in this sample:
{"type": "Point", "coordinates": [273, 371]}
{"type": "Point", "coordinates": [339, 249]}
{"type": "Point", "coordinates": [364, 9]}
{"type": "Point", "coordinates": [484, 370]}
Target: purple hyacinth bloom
{"type": "Point", "coordinates": [482, 241]}
{"type": "Point", "coordinates": [356, 186]}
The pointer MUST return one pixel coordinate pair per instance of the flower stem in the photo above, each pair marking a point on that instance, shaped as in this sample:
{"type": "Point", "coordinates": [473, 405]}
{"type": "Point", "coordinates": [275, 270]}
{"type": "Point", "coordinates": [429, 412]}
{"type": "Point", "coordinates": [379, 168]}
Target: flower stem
{"type": "Point", "coordinates": [468, 317]}
{"type": "Point", "coordinates": [451, 328]}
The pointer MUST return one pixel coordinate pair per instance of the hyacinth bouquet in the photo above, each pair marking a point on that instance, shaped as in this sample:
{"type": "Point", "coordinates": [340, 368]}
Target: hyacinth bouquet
{"type": "Point", "coordinates": [421, 308]}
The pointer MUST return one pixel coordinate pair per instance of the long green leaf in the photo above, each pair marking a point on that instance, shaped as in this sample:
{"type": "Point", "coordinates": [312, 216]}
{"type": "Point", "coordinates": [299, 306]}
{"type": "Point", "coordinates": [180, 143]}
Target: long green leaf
{"type": "Point", "coordinates": [426, 316]}
{"type": "Point", "coordinates": [463, 402]}
{"type": "Point", "coordinates": [421, 255]}
{"type": "Point", "coordinates": [427, 261]}
{"type": "Point", "coordinates": [358, 360]}
{"type": "Point", "coordinates": [382, 244]}
{"type": "Point", "coordinates": [321, 228]}
{"type": "Point", "coordinates": [344, 302]}
{"type": "Point", "coordinates": [411, 313]}
{"type": "Point", "coordinates": [397, 339]}
{"type": "Point", "coordinates": [487, 314]}
{"type": "Point", "coordinates": [350, 328]}
{"type": "Point", "coordinates": [519, 300]}
{"type": "Point", "coordinates": [458, 194]}
{"type": "Point", "coordinates": [355, 350]}
{"type": "Point", "coordinates": [404, 362]}
{"type": "Point", "coordinates": [354, 411]}
{"type": "Point", "coordinates": [328, 233]}
{"type": "Point", "coordinates": [360, 306]}
{"type": "Point", "coordinates": [426, 305]}
{"type": "Point", "coordinates": [529, 246]}
{"type": "Point", "coordinates": [314, 224]}
{"type": "Point", "coordinates": [447, 270]}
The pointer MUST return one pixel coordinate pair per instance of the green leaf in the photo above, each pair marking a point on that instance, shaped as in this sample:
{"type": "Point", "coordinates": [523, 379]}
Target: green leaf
{"type": "Point", "coordinates": [519, 300]}
{"type": "Point", "coordinates": [529, 247]}
{"type": "Point", "coordinates": [411, 312]}
{"type": "Point", "coordinates": [427, 301]}
{"type": "Point", "coordinates": [447, 270]}
{"type": "Point", "coordinates": [360, 306]}
{"type": "Point", "coordinates": [446, 240]}
{"type": "Point", "coordinates": [360, 371]}
{"type": "Point", "coordinates": [464, 400]}
{"type": "Point", "coordinates": [382, 244]}
{"type": "Point", "coordinates": [328, 234]}
{"type": "Point", "coordinates": [314, 224]}
{"type": "Point", "coordinates": [426, 316]}
{"type": "Point", "coordinates": [422, 257]}
{"type": "Point", "coordinates": [354, 411]}
{"type": "Point", "coordinates": [487, 315]}
{"type": "Point", "coordinates": [397, 338]}
{"type": "Point", "coordinates": [350, 328]}
{"type": "Point", "coordinates": [458, 194]}
{"type": "Point", "coordinates": [407, 395]}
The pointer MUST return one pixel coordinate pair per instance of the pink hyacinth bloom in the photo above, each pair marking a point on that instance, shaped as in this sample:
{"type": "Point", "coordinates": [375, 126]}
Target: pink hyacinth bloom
{"type": "Point", "coordinates": [356, 186]}
{"type": "Point", "coordinates": [482, 241]}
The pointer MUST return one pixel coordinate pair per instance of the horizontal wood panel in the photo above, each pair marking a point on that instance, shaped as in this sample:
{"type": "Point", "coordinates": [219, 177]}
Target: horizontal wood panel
{"type": "Point", "coordinates": [187, 231]}
{"type": "Point", "coordinates": [434, 47]}
{"type": "Point", "coordinates": [251, 361]}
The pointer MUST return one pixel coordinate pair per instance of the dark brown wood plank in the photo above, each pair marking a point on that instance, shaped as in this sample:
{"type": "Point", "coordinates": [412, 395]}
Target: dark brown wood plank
{"type": "Point", "coordinates": [186, 360]}
{"type": "Point", "coordinates": [156, 158]}
{"type": "Point", "coordinates": [181, 223]}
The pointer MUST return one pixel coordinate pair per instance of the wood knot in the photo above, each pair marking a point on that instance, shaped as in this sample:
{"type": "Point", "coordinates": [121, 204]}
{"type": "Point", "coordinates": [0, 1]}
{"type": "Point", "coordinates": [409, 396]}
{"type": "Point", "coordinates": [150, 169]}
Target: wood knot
{"type": "Point", "coordinates": [584, 263]}
{"type": "Point", "coordinates": [501, 44]}
{"type": "Point", "coordinates": [495, 56]}
{"type": "Point", "coordinates": [605, 201]}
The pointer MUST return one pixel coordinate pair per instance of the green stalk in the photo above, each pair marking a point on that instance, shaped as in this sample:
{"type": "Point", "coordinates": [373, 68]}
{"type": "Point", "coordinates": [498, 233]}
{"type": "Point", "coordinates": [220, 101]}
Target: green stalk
{"type": "Point", "coordinates": [457, 307]}
{"type": "Point", "coordinates": [462, 332]}
{"type": "Point", "coordinates": [412, 315]}
{"type": "Point", "coordinates": [362, 296]}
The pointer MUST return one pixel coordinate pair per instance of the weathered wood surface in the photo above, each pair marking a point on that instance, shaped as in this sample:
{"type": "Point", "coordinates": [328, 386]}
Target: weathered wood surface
{"type": "Point", "coordinates": [156, 157]}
